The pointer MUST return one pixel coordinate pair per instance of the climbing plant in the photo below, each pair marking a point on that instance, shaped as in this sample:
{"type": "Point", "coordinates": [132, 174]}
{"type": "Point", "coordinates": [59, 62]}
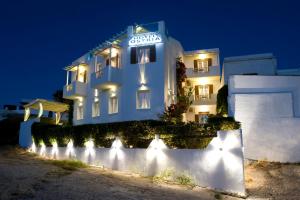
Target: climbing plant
{"type": "Point", "coordinates": [173, 113]}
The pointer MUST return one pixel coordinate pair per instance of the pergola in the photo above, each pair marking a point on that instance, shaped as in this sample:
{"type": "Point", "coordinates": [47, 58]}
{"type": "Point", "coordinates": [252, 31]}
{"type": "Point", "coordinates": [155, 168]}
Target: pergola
{"type": "Point", "coordinates": [42, 104]}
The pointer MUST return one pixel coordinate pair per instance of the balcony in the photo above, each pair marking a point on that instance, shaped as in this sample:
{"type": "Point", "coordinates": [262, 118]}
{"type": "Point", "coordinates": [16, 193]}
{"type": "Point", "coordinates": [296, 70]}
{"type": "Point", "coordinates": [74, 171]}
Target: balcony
{"type": "Point", "coordinates": [74, 90]}
{"type": "Point", "coordinates": [106, 78]}
{"type": "Point", "coordinates": [198, 100]}
{"type": "Point", "coordinates": [213, 71]}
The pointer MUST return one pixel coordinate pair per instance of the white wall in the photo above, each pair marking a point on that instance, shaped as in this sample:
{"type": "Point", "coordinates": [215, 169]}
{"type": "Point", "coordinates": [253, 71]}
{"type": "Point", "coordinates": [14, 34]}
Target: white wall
{"type": "Point", "coordinates": [219, 166]}
{"type": "Point", "coordinates": [262, 64]}
{"type": "Point", "coordinates": [160, 78]}
{"type": "Point", "coordinates": [266, 106]}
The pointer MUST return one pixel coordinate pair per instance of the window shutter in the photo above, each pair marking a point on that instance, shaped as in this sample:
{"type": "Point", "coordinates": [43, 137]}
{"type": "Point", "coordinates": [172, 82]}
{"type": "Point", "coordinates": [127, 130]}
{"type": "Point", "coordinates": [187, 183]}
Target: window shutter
{"type": "Point", "coordinates": [133, 58]}
{"type": "Point", "coordinates": [117, 61]}
{"type": "Point", "coordinates": [209, 61]}
{"type": "Point", "coordinates": [152, 53]}
{"type": "Point", "coordinates": [196, 90]}
{"type": "Point", "coordinates": [195, 65]}
{"type": "Point", "coordinates": [196, 118]}
{"type": "Point", "coordinates": [211, 90]}
{"type": "Point", "coordinates": [84, 76]}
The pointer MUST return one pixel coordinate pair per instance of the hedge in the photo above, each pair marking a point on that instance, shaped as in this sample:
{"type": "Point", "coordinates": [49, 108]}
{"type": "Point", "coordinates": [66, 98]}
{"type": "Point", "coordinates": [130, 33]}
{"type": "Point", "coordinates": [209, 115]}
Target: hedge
{"type": "Point", "coordinates": [137, 134]}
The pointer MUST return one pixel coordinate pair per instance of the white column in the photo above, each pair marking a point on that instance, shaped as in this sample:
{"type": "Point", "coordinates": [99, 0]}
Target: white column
{"type": "Point", "coordinates": [67, 78]}
{"type": "Point", "coordinates": [41, 110]}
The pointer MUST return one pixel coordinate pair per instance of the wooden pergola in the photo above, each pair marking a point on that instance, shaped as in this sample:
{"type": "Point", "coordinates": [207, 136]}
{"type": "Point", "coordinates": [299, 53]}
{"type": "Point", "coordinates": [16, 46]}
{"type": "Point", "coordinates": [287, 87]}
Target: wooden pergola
{"type": "Point", "coordinates": [42, 104]}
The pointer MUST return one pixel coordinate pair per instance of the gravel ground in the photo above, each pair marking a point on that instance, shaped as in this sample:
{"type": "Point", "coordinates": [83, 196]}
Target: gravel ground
{"type": "Point", "coordinates": [25, 176]}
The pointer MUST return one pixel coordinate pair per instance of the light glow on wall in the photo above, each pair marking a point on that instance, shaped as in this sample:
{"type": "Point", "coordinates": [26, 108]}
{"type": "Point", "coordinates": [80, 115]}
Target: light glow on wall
{"type": "Point", "coordinates": [202, 56]}
{"type": "Point", "coordinates": [203, 108]}
{"type": "Point", "coordinates": [202, 81]}
{"type": "Point", "coordinates": [116, 153]}
{"type": "Point", "coordinates": [54, 151]}
{"type": "Point", "coordinates": [155, 150]}
{"type": "Point", "coordinates": [70, 152]}
{"type": "Point", "coordinates": [89, 148]}
{"type": "Point", "coordinates": [42, 149]}
{"type": "Point", "coordinates": [33, 147]}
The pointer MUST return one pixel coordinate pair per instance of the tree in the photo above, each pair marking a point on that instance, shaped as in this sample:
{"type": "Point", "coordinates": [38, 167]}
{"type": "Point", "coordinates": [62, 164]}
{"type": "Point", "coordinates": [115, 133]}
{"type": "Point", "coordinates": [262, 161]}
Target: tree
{"type": "Point", "coordinates": [222, 104]}
{"type": "Point", "coordinates": [173, 113]}
{"type": "Point", "coordinates": [58, 96]}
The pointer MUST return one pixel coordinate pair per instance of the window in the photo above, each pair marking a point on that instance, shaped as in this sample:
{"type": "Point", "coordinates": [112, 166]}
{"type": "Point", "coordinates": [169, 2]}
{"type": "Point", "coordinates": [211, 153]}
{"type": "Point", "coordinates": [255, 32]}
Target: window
{"type": "Point", "coordinates": [115, 61]}
{"type": "Point", "coordinates": [80, 111]}
{"type": "Point", "coordinates": [81, 74]}
{"type": "Point", "coordinates": [203, 91]}
{"type": "Point", "coordinates": [98, 70]}
{"type": "Point", "coordinates": [143, 54]}
{"type": "Point", "coordinates": [202, 65]}
{"type": "Point", "coordinates": [202, 117]}
{"type": "Point", "coordinates": [113, 105]}
{"type": "Point", "coordinates": [143, 99]}
{"type": "Point", "coordinates": [96, 108]}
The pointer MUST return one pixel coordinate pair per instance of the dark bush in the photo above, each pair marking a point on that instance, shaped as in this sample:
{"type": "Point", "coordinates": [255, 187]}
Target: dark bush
{"type": "Point", "coordinates": [137, 134]}
{"type": "Point", "coordinates": [9, 131]}
{"type": "Point", "coordinates": [222, 104]}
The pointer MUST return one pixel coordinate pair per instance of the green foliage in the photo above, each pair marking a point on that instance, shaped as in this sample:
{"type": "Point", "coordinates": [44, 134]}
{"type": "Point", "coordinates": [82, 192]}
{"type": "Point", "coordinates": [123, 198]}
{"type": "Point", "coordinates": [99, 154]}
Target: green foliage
{"type": "Point", "coordinates": [138, 134]}
{"type": "Point", "coordinates": [165, 175]}
{"type": "Point", "coordinates": [70, 165]}
{"type": "Point", "coordinates": [184, 179]}
{"type": "Point", "coordinates": [58, 96]}
{"type": "Point", "coordinates": [222, 104]}
{"type": "Point", "coordinates": [174, 112]}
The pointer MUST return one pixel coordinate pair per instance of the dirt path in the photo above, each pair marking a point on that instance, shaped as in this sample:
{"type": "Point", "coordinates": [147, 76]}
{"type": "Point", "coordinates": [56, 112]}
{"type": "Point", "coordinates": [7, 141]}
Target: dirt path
{"type": "Point", "coordinates": [266, 180]}
{"type": "Point", "coordinates": [24, 176]}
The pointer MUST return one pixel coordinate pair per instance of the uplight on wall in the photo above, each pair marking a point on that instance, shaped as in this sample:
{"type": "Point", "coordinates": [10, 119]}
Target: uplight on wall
{"type": "Point", "coordinates": [33, 147]}
{"type": "Point", "coordinates": [54, 151]}
{"type": "Point", "coordinates": [202, 56]}
{"type": "Point", "coordinates": [155, 150]}
{"type": "Point", "coordinates": [70, 152]}
{"type": "Point", "coordinates": [89, 148]}
{"type": "Point", "coordinates": [43, 149]}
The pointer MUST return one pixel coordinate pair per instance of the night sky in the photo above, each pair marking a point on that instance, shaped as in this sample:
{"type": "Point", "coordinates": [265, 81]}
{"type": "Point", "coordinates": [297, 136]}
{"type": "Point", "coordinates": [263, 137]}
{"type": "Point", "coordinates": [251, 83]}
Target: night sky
{"type": "Point", "coordinates": [39, 38]}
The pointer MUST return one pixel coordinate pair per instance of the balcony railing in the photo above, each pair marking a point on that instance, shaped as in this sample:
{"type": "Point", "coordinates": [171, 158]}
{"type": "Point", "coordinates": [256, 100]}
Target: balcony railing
{"type": "Point", "coordinates": [212, 71]}
{"type": "Point", "coordinates": [106, 77]}
{"type": "Point", "coordinates": [204, 99]}
{"type": "Point", "coordinates": [74, 90]}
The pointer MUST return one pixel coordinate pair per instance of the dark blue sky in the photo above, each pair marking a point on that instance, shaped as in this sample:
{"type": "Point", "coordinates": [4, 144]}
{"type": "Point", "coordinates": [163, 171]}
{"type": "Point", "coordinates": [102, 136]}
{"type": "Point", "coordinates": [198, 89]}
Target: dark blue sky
{"type": "Point", "coordinates": [39, 38]}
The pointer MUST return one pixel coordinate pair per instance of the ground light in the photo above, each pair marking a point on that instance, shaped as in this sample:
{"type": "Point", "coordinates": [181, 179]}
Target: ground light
{"type": "Point", "coordinates": [42, 149]}
{"type": "Point", "coordinates": [70, 152]}
{"type": "Point", "coordinates": [116, 153]}
{"type": "Point", "coordinates": [155, 150]}
{"type": "Point", "coordinates": [54, 151]}
{"type": "Point", "coordinates": [89, 150]}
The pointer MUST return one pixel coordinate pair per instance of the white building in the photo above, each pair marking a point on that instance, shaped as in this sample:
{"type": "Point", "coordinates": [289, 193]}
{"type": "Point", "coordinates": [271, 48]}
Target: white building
{"type": "Point", "coordinates": [259, 64]}
{"type": "Point", "coordinates": [133, 77]}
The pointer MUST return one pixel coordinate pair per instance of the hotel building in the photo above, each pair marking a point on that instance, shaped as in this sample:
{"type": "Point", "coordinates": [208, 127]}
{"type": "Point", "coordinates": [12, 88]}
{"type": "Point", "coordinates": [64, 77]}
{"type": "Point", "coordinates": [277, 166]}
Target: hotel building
{"type": "Point", "coordinates": [132, 76]}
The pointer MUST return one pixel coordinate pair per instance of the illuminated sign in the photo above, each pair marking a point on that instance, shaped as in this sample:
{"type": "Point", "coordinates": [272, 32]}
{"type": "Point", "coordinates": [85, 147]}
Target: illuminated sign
{"type": "Point", "coordinates": [145, 38]}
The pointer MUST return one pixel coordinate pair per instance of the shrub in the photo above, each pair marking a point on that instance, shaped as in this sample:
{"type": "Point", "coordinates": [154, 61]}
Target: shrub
{"type": "Point", "coordinates": [222, 104]}
{"type": "Point", "coordinates": [138, 134]}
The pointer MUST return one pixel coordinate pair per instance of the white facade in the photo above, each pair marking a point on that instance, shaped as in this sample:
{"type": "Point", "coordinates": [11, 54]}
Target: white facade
{"type": "Point", "coordinates": [133, 77]}
{"type": "Point", "coordinates": [259, 64]}
{"type": "Point", "coordinates": [268, 108]}
{"type": "Point", "coordinates": [203, 75]}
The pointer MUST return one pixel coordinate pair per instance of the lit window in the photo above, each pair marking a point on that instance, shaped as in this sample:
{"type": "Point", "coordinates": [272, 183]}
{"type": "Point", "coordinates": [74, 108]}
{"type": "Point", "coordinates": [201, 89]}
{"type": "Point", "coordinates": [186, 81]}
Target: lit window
{"type": "Point", "coordinates": [143, 55]}
{"type": "Point", "coordinates": [80, 111]}
{"type": "Point", "coordinates": [143, 99]}
{"type": "Point", "coordinates": [203, 65]}
{"type": "Point", "coordinates": [203, 91]}
{"type": "Point", "coordinates": [113, 105]}
{"type": "Point", "coordinates": [81, 74]}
